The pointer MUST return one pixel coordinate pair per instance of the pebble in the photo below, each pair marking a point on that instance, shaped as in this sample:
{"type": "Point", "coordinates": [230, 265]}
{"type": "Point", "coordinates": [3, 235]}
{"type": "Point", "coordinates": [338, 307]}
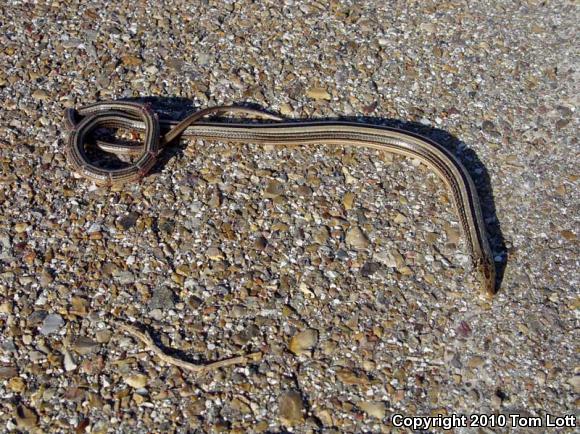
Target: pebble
{"type": "Point", "coordinates": [475, 362]}
{"type": "Point", "coordinates": [495, 402]}
{"type": "Point", "coordinates": [69, 364]}
{"type": "Point", "coordinates": [128, 221]}
{"type": "Point", "coordinates": [291, 408]}
{"type": "Point", "coordinates": [286, 109]}
{"type": "Point", "coordinates": [26, 418]}
{"type": "Point", "coordinates": [17, 385]}
{"type": "Point", "coordinates": [20, 227]}
{"type": "Point", "coordinates": [162, 298]}
{"type": "Point", "coordinates": [7, 372]}
{"type": "Point", "coordinates": [303, 342]}
{"type": "Point", "coordinates": [52, 323]}
{"type": "Point", "coordinates": [215, 200]}
{"type": "Point", "coordinates": [240, 405]}
{"type": "Point", "coordinates": [357, 239]}
{"type": "Point", "coordinates": [400, 218]}
{"type": "Point", "coordinates": [273, 190]}
{"type": "Point", "coordinates": [348, 200]}
{"type": "Point", "coordinates": [84, 345]}
{"type": "Point", "coordinates": [453, 234]}
{"type": "Point", "coordinates": [370, 268]}
{"type": "Point", "coordinates": [137, 381]}
{"type": "Point", "coordinates": [372, 408]}
{"type": "Point", "coordinates": [348, 178]}
{"type": "Point", "coordinates": [41, 95]}
{"type": "Point", "coordinates": [214, 254]}
{"type": "Point", "coordinates": [157, 314]}
{"type": "Point", "coordinates": [246, 335]}
{"type": "Point", "coordinates": [131, 61]}
{"type": "Point", "coordinates": [318, 93]}
{"type": "Point", "coordinates": [103, 336]}
{"type": "Point", "coordinates": [260, 243]}
{"type": "Point", "coordinates": [575, 383]}
{"type": "Point", "coordinates": [391, 259]}
{"type": "Point", "coordinates": [125, 277]}
{"type": "Point", "coordinates": [321, 235]}
{"type": "Point", "coordinates": [350, 377]}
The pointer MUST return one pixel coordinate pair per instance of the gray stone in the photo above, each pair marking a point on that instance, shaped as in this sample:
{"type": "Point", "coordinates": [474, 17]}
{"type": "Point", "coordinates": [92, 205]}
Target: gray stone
{"type": "Point", "coordinates": [51, 324]}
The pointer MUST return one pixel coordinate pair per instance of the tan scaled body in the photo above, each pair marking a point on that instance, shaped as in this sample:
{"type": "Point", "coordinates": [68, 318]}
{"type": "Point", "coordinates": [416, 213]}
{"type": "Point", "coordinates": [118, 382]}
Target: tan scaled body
{"type": "Point", "coordinates": [135, 116]}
